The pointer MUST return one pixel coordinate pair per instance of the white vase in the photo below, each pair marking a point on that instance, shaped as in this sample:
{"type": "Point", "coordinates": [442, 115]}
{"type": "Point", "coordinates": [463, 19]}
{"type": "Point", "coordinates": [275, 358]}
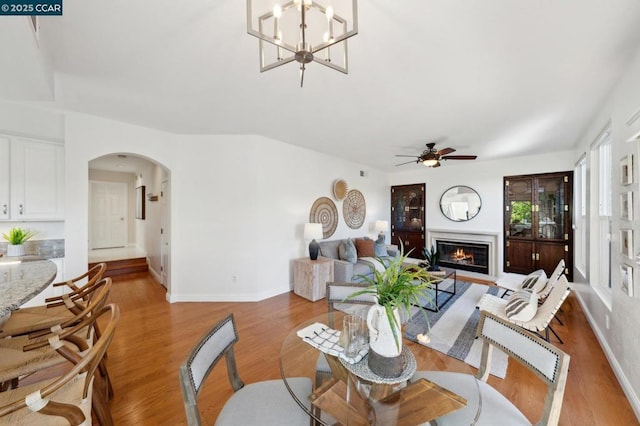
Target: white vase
{"type": "Point", "coordinates": [15, 250]}
{"type": "Point", "coordinates": [381, 338]}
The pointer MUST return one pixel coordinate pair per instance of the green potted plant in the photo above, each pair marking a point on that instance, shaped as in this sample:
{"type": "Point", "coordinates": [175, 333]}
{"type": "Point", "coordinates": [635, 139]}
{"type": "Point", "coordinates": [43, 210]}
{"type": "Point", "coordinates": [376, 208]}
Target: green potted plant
{"type": "Point", "coordinates": [397, 285]}
{"type": "Point", "coordinates": [432, 257]}
{"type": "Point", "coordinates": [16, 238]}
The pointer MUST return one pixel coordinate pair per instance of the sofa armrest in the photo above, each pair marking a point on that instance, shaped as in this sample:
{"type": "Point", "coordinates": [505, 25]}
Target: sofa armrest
{"type": "Point", "coordinates": [393, 252]}
{"type": "Point", "coordinates": [342, 271]}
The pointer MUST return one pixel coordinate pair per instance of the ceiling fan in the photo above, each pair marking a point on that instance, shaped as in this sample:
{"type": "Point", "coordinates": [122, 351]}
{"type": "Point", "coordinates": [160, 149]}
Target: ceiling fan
{"type": "Point", "coordinates": [431, 157]}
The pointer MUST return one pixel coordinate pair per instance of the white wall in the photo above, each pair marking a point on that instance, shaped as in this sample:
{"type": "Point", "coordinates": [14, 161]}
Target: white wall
{"type": "Point", "coordinates": [621, 339]}
{"type": "Point", "coordinates": [483, 176]}
{"type": "Point", "coordinates": [238, 203]}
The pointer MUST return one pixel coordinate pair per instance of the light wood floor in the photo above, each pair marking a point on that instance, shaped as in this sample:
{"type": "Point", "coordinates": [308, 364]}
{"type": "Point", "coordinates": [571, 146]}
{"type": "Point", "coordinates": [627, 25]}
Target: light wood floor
{"type": "Point", "coordinates": [153, 338]}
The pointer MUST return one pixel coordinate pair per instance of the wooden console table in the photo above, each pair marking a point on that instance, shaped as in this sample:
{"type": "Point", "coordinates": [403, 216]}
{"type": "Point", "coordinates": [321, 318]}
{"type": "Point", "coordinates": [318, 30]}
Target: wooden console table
{"type": "Point", "coordinates": [310, 277]}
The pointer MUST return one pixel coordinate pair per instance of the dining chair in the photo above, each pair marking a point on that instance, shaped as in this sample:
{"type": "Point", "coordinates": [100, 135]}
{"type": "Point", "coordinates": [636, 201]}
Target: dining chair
{"type": "Point", "coordinates": [72, 396]}
{"type": "Point", "coordinates": [546, 361]}
{"type": "Point", "coordinates": [16, 362]}
{"type": "Point", "coordinates": [541, 321]}
{"type": "Point", "coordinates": [262, 403]}
{"type": "Point", "coordinates": [56, 309]}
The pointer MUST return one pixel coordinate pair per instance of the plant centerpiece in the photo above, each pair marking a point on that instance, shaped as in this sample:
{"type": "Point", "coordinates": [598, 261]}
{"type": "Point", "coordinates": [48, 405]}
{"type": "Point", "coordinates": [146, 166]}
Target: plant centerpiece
{"type": "Point", "coordinates": [16, 239]}
{"type": "Point", "coordinates": [432, 257]}
{"type": "Point", "coordinates": [397, 285]}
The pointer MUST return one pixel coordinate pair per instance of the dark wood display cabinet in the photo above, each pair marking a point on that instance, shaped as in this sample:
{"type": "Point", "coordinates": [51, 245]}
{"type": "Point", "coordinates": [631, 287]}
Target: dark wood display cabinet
{"type": "Point", "coordinates": [538, 222]}
{"type": "Point", "coordinates": [407, 218]}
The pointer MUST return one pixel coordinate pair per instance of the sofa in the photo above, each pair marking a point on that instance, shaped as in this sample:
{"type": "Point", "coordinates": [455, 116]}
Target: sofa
{"type": "Point", "coordinates": [347, 256]}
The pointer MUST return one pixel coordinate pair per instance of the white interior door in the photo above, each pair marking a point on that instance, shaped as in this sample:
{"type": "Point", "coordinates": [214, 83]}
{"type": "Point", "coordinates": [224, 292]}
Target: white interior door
{"type": "Point", "coordinates": [164, 233]}
{"type": "Point", "coordinates": [108, 214]}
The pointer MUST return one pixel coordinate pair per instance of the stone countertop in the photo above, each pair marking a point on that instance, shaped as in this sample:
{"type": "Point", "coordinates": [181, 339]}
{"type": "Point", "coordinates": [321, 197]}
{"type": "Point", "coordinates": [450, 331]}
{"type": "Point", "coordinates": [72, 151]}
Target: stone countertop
{"type": "Point", "coordinates": [49, 249]}
{"type": "Point", "coordinates": [21, 278]}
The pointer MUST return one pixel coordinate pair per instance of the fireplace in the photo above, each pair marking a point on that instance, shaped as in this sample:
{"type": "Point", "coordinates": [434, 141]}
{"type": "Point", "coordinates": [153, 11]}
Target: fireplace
{"type": "Point", "coordinates": [467, 256]}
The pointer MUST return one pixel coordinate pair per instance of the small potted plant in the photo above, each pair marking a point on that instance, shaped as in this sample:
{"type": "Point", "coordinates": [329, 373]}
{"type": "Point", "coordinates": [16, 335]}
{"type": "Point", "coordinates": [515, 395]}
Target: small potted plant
{"type": "Point", "coordinates": [432, 258]}
{"type": "Point", "coordinates": [16, 238]}
{"type": "Point", "coordinates": [397, 285]}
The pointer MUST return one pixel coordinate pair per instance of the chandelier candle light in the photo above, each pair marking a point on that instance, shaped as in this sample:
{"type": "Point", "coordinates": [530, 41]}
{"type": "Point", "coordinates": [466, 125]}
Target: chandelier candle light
{"type": "Point", "coordinates": [300, 29]}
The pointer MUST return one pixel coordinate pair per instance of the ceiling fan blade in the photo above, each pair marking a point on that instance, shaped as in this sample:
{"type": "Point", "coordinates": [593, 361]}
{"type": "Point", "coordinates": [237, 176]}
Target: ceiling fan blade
{"type": "Point", "coordinates": [436, 165]}
{"type": "Point", "coordinates": [446, 151]}
{"type": "Point", "coordinates": [459, 157]}
{"type": "Point", "coordinates": [400, 155]}
{"type": "Point", "coordinates": [402, 164]}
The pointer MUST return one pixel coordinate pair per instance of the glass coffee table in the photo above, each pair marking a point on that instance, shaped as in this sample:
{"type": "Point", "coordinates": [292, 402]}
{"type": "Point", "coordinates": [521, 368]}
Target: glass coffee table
{"type": "Point", "coordinates": [444, 281]}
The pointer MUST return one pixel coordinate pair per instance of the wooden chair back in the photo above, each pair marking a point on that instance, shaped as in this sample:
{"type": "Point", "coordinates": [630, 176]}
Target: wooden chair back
{"type": "Point", "coordinates": [84, 368]}
{"type": "Point", "coordinates": [92, 276]}
{"type": "Point", "coordinates": [546, 361]}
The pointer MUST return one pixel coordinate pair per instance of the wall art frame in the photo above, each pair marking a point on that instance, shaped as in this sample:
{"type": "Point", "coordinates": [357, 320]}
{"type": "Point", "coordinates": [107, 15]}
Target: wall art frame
{"type": "Point", "coordinates": [626, 243]}
{"type": "Point", "coordinates": [626, 170]}
{"type": "Point", "coordinates": [626, 279]}
{"type": "Point", "coordinates": [626, 205]}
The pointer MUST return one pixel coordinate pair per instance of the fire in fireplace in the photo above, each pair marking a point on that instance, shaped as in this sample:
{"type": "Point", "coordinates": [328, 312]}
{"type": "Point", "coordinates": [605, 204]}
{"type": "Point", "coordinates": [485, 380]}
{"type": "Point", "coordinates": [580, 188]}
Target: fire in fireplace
{"type": "Point", "coordinates": [467, 256]}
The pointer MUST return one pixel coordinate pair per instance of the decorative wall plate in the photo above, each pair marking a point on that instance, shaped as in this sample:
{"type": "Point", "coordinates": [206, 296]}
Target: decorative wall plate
{"type": "Point", "coordinates": [354, 209]}
{"type": "Point", "coordinates": [340, 189]}
{"type": "Point", "coordinates": [324, 211]}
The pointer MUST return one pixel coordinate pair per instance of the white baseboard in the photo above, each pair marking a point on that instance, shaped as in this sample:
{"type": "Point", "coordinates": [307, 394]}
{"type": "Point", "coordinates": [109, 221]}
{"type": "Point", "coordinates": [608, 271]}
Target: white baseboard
{"type": "Point", "coordinates": [628, 390]}
{"type": "Point", "coordinates": [229, 297]}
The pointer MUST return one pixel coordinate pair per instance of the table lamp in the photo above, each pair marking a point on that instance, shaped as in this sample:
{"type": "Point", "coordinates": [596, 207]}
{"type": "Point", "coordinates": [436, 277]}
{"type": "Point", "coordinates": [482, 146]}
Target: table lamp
{"type": "Point", "coordinates": [311, 232]}
{"type": "Point", "coordinates": [381, 226]}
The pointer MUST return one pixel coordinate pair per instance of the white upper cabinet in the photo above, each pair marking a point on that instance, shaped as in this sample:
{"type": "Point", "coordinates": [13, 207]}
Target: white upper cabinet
{"type": "Point", "coordinates": [36, 176]}
{"type": "Point", "coordinates": [4, 177]}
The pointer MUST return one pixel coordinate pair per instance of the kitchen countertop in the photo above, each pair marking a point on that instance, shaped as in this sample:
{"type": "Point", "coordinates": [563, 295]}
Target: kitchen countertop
{"type": "Point", "coordinates": [22, 278]}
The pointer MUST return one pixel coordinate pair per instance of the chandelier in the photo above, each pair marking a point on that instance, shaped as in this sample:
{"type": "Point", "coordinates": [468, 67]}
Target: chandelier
{"type": "Point", "coordinates": [303, 31]}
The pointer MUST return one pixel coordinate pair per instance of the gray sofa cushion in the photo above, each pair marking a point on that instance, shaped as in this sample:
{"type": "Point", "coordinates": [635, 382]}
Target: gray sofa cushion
{"type": "Point", "coordinates": [380, 248]}
{"type": "Point", "coordinates": [347, 251]}
{"type": "Point", "coordinates": [330, 249]}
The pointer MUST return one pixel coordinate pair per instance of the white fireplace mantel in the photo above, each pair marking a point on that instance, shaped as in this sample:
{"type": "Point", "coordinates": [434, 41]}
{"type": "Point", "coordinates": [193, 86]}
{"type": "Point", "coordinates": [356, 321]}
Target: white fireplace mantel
{"type": "Point", "coordinates": [490, 238]}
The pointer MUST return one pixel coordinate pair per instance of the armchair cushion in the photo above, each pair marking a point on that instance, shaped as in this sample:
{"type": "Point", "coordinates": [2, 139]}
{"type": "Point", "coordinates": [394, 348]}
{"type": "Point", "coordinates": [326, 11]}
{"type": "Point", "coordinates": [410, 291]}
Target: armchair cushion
{"type": "Point", "coordinates": [522, 305]}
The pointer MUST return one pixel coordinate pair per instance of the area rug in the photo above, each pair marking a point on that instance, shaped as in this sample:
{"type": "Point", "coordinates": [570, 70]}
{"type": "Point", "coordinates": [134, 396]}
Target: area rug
{"type": "Point", "coordinates": [453, 328]}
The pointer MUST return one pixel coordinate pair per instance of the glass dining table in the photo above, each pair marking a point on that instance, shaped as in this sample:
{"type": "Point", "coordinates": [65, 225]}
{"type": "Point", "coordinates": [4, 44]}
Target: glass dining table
{"type": "Point", "coordinates": [22, 278]}
{"type": "Point", "coordinates": [350, 394]}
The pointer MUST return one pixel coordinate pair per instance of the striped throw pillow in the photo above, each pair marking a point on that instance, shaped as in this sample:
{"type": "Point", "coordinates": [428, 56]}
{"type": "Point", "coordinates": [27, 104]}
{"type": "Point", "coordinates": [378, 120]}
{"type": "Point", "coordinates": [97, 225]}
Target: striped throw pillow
{"type": "Point", "coordinates": [535, 281]}
{"type": "Point", "coordinates": [522, 305]}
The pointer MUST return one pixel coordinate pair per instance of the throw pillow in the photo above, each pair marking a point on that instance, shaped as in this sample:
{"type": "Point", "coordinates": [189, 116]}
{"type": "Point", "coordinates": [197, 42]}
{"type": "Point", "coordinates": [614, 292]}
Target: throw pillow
{"type": "Point", "coordinates": [365, 248]}
{"type": "Point", "coordinates": [535, 281]}
{"type": "Point", "coordinates": [522, 306]}
{"type": "Point", "coordinates": [347, 251]}
{"type": "Point", "coordinates": [380, 248]}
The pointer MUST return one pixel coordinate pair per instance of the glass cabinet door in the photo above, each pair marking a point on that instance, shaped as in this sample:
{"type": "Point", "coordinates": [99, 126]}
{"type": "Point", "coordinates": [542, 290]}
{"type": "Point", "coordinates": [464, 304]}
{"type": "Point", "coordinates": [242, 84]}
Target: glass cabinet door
{"type": "Point", "coordinates": [550, 207]}
{"type": "Point", "coordinates": [520, 201]}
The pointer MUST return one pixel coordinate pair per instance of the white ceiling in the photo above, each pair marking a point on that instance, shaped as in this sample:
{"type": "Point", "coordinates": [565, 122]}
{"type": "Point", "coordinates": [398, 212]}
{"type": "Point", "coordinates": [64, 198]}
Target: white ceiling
{"type": "Point", "coordinates": [496, 78]}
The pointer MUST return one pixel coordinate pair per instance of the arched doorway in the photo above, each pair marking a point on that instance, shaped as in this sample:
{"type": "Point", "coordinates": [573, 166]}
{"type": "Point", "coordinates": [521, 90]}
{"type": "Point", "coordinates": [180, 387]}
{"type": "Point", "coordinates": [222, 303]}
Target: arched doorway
{"type": "Point", "coordinates": [129, 206]}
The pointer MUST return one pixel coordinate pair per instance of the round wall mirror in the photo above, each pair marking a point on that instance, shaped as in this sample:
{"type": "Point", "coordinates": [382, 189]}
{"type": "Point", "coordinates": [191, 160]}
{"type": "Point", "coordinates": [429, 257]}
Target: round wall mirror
{"type": "Point", "coordinates": [460, 203]}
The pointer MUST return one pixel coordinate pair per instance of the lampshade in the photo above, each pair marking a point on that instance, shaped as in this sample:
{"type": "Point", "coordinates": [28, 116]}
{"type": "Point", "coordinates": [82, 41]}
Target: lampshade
{"type": "Point", "coordinates": [312, 231]}
{"type": "Point", "coordinates": [381, 225]}
{"type": "Point", "coordinates": [430, 162]}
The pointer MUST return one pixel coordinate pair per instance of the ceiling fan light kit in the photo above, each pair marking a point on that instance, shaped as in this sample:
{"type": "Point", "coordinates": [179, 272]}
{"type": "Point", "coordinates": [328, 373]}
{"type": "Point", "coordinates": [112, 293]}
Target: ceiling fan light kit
{"type": "Point", "coordinates": [303, 31]}
{"type": "Point", "coordinates": [431, 157]}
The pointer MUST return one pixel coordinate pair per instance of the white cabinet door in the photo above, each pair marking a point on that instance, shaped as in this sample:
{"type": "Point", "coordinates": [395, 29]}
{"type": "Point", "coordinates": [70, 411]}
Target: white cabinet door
{"type": "Point", "coordinates": [4, 177]}
{"type": "Point", "coordinates": [37, 180]}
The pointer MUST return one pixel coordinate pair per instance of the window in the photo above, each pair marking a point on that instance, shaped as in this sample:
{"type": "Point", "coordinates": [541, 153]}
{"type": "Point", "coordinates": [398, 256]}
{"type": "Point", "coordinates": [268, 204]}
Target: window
{"type": "Point", "coordinates": [601, 184]}
{"type": "Point", "coordinates": [580, 212]}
